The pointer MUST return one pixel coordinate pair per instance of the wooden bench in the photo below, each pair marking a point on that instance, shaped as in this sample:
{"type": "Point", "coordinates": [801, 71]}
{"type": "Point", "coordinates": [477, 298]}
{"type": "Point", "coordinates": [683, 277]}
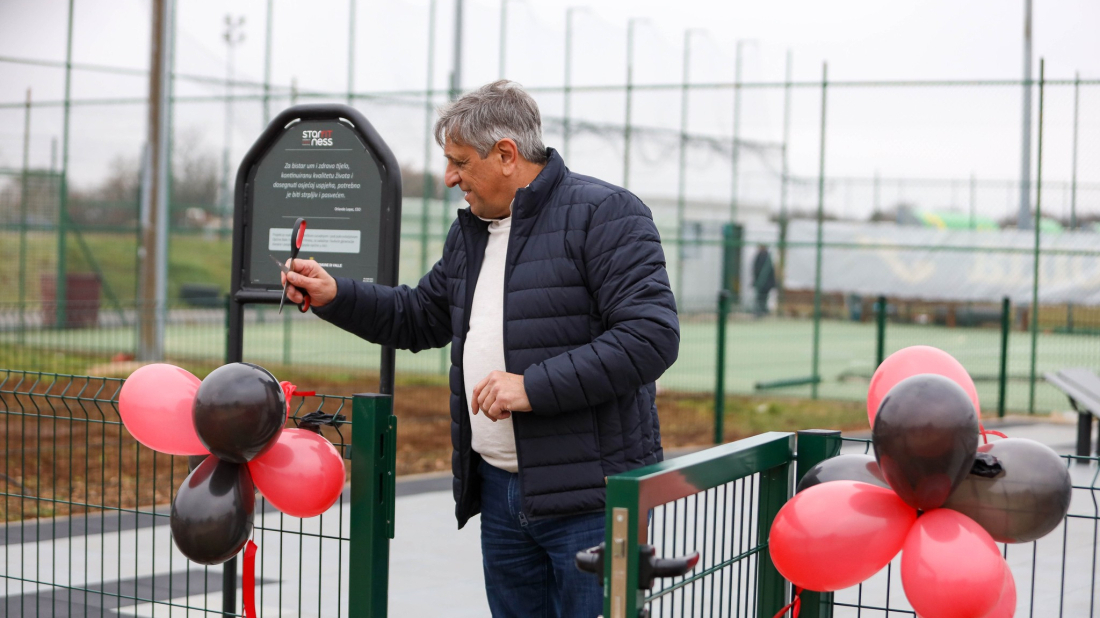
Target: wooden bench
{"type": "Point", "coordinates": [1082, 386]}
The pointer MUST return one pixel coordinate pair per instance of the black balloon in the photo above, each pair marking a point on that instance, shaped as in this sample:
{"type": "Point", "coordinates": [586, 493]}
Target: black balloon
{"type": "Point", "coordinates": [1025, 502]}
{"type": "Point", "coordinates": [239, 411]}
{"type": "Point", "coordinates": [861, 468]}
{"type": "Point", "coordinates": [213, 510]}
{"type": "Point", "coordinates": [925, 438]}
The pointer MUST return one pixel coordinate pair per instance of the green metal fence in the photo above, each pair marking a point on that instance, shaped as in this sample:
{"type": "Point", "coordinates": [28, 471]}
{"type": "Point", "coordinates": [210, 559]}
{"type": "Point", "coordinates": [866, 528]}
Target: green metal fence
{"type": "Point", "coordinates": [721, 501]}
{"type": "Point", "coordinates": [87, 510]}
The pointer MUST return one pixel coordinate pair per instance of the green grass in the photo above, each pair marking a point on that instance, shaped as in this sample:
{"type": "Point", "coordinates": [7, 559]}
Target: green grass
{"type": "Point", "coordinates": [192, 258]}
{"type": "Point", "coordinates": [757, 351]}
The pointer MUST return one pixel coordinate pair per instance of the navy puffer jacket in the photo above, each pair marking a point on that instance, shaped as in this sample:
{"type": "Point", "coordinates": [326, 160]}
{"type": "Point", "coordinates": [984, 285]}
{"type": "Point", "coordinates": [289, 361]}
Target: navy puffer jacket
{"type": "Point", "coordinates": [589, 321]}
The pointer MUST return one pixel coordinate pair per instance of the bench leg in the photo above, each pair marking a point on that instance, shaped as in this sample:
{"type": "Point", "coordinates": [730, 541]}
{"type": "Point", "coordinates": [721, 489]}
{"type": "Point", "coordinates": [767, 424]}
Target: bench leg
{"type": "Point", "coordinates": [1084, 434]}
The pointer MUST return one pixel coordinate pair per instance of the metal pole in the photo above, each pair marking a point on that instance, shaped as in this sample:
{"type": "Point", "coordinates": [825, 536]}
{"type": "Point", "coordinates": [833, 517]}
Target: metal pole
{"type": "Point", "coordinates": [815, 446]}
{"type": "Point", "coordinates": [267, 62]}
{"type": "Point", "coordinates": [1024, 213]}
{"type": "Point", "coordinates": [682, 188]}
{"type": "Point", "coordinates": [820, 223]}
{"type": "Point", "coordinates": [232, 37]}
{"type": "Point", "coordinates": [455, 91]}
{"type": "Point", "coordinates": [877, 192]}
{"type": "Point", "coordinates": [784, 178]}
{"type": "Point", "coordinates": [880, 330]}
{"type": "Point", "coordinates": [456, 70]}
{"type": "Point", "coordinates": [429, 186]}
{"type": "Point", "coordinates": [61, 287]}
{"type": "Point", "coordinates": [1002, 381]}
{"type": "Point", "coordinates": [973, 204]}
{"type": "Point", "coordinates": [567, 90]}
{"type": "Point", "coordinates": [148, 339]}
{"type": "Point", "coordinates": [23, 199]}
{"type": "Point", "coordinates": [1073, 179]}
{"type": "Point", "coordinates": [351, 50]}
{"type": "Point", "coordinates": [373, 470]}
{"type": "Point", "coordinates": [725, 298]}
{"type": "Point", "coordinates": [735, 171]}
{"type": "Point", "coordinates": [503, 35]}
{"type": "Point", "coordinates": [627, 128]}
{"type": "Point", "coordinates": [165, 171]}
{"type": "Point", "coordinates": [1035, 273]}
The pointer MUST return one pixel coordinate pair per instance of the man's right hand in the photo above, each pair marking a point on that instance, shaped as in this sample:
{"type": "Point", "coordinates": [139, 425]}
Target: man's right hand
{"type": "Point", "coordinates": [309, 276]}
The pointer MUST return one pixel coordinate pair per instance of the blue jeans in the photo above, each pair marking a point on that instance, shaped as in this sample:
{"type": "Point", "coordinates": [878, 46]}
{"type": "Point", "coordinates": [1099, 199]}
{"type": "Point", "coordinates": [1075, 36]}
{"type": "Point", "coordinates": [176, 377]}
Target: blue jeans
{"type": "Point", "coordinates": [529, 565]}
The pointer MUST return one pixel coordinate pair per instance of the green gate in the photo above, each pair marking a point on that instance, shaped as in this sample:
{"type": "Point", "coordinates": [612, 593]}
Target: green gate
{"type": "Point", "coordinates": [720, 502]}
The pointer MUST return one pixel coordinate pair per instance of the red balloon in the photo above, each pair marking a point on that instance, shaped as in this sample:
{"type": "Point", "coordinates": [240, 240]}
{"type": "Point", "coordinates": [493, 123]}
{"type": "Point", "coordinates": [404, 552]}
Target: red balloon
{"type": "Point", "coordinates": [908, 362]}
{"type": "Point", "coordinates": [837, 534]}
{"type": "Point", "coordinates": [301, 474]}
{"type": "Point", "coordinates": [155, 405]}
{"type": "Point", "coordinates": [950, 567]}
{"type": "Point", "coordinates": [1006, 607]}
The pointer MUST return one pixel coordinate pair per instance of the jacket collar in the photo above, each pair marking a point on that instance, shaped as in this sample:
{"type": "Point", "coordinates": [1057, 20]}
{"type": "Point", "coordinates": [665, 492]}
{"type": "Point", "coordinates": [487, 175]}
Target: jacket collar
{"type": "Point", "coordinates": [529, 200]}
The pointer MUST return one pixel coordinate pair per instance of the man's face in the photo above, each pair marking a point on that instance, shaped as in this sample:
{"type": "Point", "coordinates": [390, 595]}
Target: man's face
{"type": "Point", "coordinates": [482, 180]}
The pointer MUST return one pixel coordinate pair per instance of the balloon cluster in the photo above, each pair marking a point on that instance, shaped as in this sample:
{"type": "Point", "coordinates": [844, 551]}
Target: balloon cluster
{"type": "Point", "coordinates": [235, 417]}
{"type": "Point", "coordinates": [930, 492]}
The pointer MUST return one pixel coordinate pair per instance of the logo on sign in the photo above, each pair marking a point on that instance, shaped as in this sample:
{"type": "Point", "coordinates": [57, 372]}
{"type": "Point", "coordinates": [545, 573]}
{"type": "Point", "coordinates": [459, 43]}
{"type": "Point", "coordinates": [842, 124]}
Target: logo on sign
{"type": "Point", "coordinates": [317, 138]}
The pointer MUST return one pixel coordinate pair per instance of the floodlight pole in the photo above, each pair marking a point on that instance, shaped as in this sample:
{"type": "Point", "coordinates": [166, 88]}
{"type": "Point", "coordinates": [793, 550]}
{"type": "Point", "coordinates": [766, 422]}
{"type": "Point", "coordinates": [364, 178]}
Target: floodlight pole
{"type": "Point", "coordinates": [1024, 214]}
{"type": "Point", "coordinates": [233, 37]}
{"type": "Point", "coordinates": [628, 129]}
{"type": "Point", "coordinates": [736, 152]}
{"type": "Point", "coordinates": [681, 198]}
{"type": "Point", "coordinates": [351, 51]}
{"type": "Point", "coordinates": [154, 216]}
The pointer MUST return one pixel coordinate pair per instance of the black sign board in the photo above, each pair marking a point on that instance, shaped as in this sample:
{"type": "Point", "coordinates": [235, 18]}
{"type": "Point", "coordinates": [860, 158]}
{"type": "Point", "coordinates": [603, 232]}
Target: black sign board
{"type": "Point", "coordinates": [326, 164]}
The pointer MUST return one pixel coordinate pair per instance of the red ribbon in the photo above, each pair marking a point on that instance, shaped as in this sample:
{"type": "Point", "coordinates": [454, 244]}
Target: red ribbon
{"type": "Point", "coordinates": [794, 606]}
{"type": "Point", "coordinates": [289, 390]}
{"type": "Point", "coordinates": [987, 432]}
{"type": "Point", "coordinates": [249, 584]}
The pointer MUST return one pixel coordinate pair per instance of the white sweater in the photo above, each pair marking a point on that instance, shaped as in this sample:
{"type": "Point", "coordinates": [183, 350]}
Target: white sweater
{"type": "Point", "coordinates": [484, 350]}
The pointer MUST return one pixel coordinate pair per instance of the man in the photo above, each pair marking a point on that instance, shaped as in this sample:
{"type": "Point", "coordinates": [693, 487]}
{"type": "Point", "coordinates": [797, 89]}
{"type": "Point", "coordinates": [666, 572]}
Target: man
{"type": "Point", "coordinates": [553, 293]}
{"type": "Point", "coordinates": [763, 279]}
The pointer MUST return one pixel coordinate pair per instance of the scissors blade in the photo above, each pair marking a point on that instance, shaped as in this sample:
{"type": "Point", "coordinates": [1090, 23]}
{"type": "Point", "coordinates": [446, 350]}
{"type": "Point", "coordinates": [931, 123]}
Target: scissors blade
{"type": "Point", "coordinates": [284, 269]}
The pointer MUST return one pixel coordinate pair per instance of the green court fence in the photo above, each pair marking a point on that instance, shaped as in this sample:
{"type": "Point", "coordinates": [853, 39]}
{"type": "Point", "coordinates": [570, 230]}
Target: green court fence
{"type": "Point", "coordinates": [87, 511]}
{"type": "Point", "coordinates": [858, 189]}
{"type": "Point", "coordinates": [720, 502]}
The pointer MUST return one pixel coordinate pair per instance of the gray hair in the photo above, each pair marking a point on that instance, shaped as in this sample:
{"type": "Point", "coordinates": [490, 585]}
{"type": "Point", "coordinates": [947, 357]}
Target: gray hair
{"type": "Point", "coordinates": [491, 113]}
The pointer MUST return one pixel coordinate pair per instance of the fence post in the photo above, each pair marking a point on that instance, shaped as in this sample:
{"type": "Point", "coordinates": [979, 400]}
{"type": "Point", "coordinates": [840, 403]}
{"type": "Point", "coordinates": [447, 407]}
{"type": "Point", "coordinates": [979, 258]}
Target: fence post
{"type": "Point", "coordinates": [725, 297]}
{"type": "Point", "coordinates": [815, 357]}
{"type": "Point", "coordinates": [622, 599]}
{"type": "Point", "coordinates": [815, 446]}
{"type": "Point", "coordinates": [1002, 377]}
{"type": "Point", "coordinates": [771, 588]}
{"type": "Point", "coordinates": [1038, 233]}
{"type": "Point", "coordinates": [373, 461]}
{"type": "Point", "coordinates": [880, 330]}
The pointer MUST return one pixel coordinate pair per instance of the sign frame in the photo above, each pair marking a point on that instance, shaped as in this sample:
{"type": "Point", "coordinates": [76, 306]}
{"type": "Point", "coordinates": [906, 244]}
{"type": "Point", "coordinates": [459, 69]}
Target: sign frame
{"type": "Point", "coordinates": [389, 223]}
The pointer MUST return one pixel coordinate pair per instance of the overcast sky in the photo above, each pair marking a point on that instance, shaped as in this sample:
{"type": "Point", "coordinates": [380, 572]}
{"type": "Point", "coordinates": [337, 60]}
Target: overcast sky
{"type": "Point", "coordinates": [917, 133]}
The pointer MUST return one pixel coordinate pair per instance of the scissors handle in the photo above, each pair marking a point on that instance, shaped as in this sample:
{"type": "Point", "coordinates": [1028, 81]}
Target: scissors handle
{"type": "Point", "coordinates": [296, 237]}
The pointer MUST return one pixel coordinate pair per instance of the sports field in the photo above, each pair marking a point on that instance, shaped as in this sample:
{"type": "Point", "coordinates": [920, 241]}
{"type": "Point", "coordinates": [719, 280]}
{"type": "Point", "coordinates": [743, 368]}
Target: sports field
{"type": "Point", "coordinates": [758, 351]}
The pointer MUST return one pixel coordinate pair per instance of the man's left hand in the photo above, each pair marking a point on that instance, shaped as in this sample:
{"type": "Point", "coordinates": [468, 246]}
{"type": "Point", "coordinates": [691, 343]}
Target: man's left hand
{"type": "Point", "coordinates": [500, 394]}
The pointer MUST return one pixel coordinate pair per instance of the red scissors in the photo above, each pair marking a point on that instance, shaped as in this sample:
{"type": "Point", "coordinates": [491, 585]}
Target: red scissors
{"type": "Point", "coordinates": [296, 237]}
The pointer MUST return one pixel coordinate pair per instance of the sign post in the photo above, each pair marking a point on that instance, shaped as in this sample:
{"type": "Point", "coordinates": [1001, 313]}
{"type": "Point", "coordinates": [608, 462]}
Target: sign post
{"type": "Point", "coordinates": [328, 165]}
